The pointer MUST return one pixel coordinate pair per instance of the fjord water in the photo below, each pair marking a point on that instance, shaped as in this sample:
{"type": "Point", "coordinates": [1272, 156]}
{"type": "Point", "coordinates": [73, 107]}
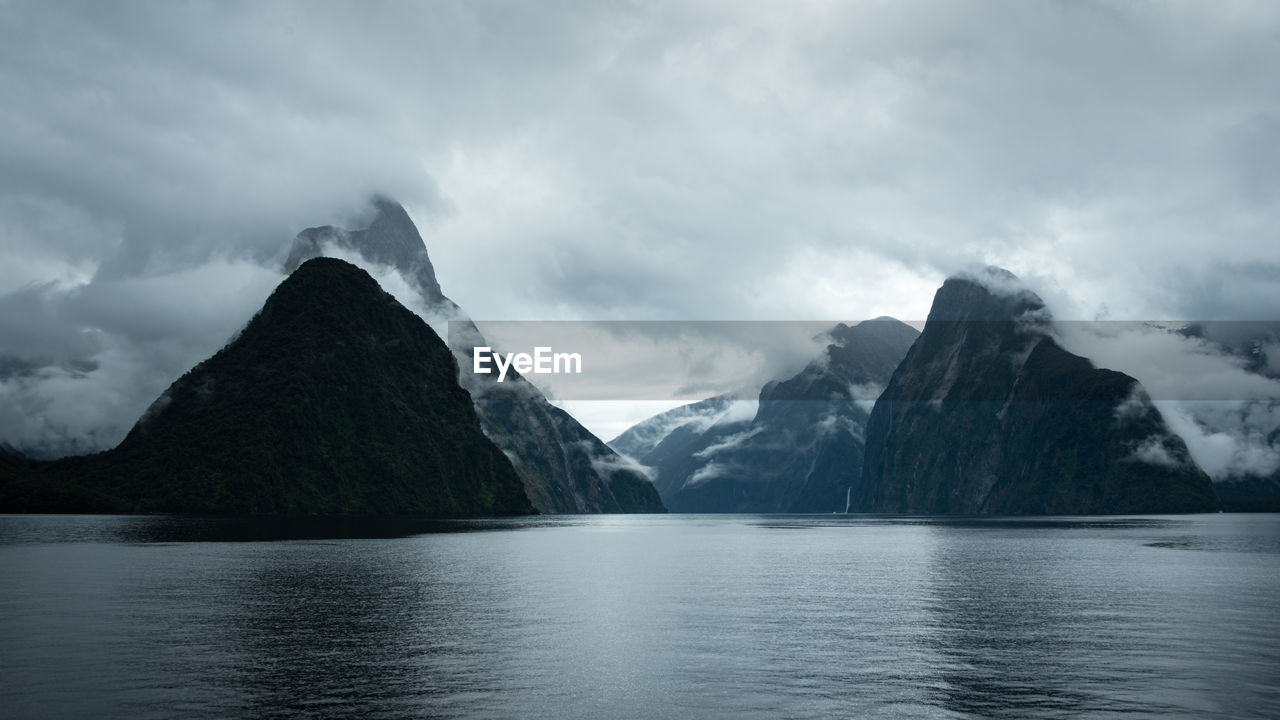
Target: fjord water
{"type": "Point", "coordinates": [640, 616]}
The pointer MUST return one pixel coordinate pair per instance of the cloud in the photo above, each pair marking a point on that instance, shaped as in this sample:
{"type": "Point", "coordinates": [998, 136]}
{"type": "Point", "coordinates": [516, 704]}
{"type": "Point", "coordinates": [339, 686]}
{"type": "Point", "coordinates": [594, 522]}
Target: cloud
{"type": "Point", "coordinates": [1170, 366]}
{"type": "Point", "coordinates": [606, 465]}
{"type": "Point", "coordinates": [865, 395]}
{"type": "Point", "coordinates": [837, 423]}
{"type": "Point", "coordinates": [94, 356]}
{"type": "Point", "coordinates": [1153, 452]}
{"type": "Point", "coordinates": [1228, 440]}
{"type": "Point", "coordinates": [615, 154]}
{"type": "Point", "coordinates": [728, 443]}
{"type": "Point", "coordinates": [608, 419]}
{"type": "Point", "coordinates": [710, 471]}
{"type": "Point", "coordinates": [738, 411]}
{"type": "Point", "coordinates": [1226, 413]}
{"type": "Point", "coordinates": [1135, 407]}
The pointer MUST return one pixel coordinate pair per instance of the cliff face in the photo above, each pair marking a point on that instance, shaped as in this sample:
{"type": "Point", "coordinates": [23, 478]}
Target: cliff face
{"type": "Point", "coordinates": [988, 414]}
{"type": "Point", "coordinates": [334, 399]}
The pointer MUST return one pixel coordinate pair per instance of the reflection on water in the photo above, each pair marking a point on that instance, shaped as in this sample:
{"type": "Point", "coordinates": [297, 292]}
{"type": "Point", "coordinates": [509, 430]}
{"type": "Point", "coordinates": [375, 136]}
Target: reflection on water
{"type": "Point", "coordinates": [248, 528]}
{"type": "Point", "coordinates": [1017, 635]}
{"type": "Point", "coordinates": [640, 616]}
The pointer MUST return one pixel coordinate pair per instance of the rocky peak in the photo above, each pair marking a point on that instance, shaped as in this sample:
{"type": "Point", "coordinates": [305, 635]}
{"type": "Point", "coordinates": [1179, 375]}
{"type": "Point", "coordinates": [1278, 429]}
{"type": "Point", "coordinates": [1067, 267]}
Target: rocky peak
{"type": "Point", "coordinates": [390, 238]}
{"type": "Point", "coordinates": [992, 294]}
{"type": "Point", "coordinates": [988, 414]}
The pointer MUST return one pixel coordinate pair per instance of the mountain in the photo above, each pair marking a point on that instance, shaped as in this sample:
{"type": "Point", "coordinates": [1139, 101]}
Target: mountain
{"type": "Point", "coordinates": [334, 399]}
{"type": "Point", "coordinates": [390, 239]}
{"type": "Point", "coordinates": [799, 452]}
{"type": "Point", "coordinates": [988, 414]}
{"type": "Point", "coordinates": [679, 455]}
{"type": "Point", "coordinates": [564, 467]}
{"type": "Point", "coordinates": [637, 440]}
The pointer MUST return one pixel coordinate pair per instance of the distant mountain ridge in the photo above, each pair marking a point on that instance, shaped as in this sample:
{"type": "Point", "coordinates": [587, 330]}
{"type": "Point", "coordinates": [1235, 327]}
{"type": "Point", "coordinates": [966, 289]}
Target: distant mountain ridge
{"type": "Point", "coordinates": [637, 440]}
{"type": "Point", "coordinates": [988, 414]}
{"type": "Point", "coordinates": [801, 449]}
{"type": "Point", "coordinates": [335, 399]}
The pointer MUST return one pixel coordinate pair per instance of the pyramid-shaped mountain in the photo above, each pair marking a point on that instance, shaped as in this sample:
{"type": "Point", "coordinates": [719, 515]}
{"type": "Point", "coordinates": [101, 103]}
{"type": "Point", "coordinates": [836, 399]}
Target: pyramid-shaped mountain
{"type": "Point", "coordinates": [565, 468]}
{"type": "Point", "coordinates": [988, 414]}
{"type": "Point", "coordinates": [334, 399]}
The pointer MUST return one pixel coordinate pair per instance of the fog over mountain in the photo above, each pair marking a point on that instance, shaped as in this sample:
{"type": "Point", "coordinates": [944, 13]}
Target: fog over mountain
{"type": "Point", "coordinates": [666, 161]}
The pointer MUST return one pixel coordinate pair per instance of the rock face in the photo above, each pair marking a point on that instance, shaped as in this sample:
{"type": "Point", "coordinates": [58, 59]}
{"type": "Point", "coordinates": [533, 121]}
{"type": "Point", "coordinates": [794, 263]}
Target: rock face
{"type": "Point", "coordinates": [988, 414]}
{"type": "Point", "coordinates": [334, 399]}
{"type": "Point", "coordinates": [564, 467]}
{"type": "Point", "coordinates": [799, 452]}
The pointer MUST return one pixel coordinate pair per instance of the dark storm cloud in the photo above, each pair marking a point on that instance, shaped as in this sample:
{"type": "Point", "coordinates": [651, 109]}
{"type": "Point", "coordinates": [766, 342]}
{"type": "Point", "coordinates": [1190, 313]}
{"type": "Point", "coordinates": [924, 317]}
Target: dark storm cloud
{"type": "Point", "coordinates": [185, 127]}
{"type": "Point", "coordinates": [688, 160]}
{"type": "Point", "coordinates": [633, 154]}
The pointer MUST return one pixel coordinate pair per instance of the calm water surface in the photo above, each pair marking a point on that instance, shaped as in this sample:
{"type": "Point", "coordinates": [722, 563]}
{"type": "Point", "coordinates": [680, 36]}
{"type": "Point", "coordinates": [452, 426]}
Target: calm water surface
{"type": "Point", "coordinates": [640, 616]}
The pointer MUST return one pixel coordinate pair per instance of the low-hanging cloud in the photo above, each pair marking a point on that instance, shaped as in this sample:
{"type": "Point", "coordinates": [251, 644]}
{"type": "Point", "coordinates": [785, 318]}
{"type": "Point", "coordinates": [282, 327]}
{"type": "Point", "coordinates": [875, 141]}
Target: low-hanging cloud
{"type": "Point", "coordinates": [1228, 439]}
{"type": "Point", "coordinates": [1227, 414]}
{"type": "Point", "coordinates": [96, 355]}
{"type": "Point", "coordinates": [728, 443]}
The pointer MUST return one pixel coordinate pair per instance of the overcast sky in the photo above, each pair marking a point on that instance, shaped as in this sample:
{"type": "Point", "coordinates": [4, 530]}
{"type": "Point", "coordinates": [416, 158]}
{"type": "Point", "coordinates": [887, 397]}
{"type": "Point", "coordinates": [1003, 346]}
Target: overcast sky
{"type": "Point", "coordinates": [646, 160]}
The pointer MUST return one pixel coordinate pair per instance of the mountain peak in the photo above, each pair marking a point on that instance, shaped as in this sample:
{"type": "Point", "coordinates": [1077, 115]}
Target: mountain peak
{"type": "Point", "coordinates": [390, 238]}
{"type": "Point", "coordinates": [394, 226]}
{"type": "Point", "coordinates": [990, 294]}
{"type": "Point", "coordinates": [987, 414]}
{"type": "Point", "coordinates": [872, 328]}
{"type": "Point", "coordinates": [326, 282]}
